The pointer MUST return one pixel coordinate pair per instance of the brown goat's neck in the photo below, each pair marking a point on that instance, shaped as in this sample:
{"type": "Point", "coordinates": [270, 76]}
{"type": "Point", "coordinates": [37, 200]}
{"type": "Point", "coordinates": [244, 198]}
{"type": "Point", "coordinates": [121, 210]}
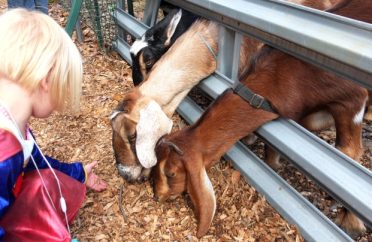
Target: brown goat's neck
{"type": "Point", "coordinates": [357, 9]}
{"type": "Point", "coordinates": [222, 126]}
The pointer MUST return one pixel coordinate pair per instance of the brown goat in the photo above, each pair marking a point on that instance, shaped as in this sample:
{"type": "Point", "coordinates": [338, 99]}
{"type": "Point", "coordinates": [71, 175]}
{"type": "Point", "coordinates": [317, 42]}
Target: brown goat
{"type": "Point", "coordinates": [295, 89]}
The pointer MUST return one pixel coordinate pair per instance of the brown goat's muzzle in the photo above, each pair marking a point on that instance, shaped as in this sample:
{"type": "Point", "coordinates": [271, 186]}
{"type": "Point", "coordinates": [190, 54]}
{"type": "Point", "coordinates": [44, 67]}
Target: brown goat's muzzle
{"type": "Point", "coordinates": [169, 176]}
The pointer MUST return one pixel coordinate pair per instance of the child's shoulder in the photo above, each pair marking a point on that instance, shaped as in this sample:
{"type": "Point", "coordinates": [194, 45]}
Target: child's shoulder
{"type": "Point", "coordinates": [9, 145]}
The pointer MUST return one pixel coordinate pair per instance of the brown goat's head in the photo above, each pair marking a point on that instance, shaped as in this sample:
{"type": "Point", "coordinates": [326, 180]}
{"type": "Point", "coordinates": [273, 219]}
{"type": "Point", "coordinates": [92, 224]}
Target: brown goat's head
{"type": "Point", "coordinates": [137, 123]}
{"type": "Point", "coordinates": [169, 173]}
{"type": "Point", "coordinates": [178, 171]}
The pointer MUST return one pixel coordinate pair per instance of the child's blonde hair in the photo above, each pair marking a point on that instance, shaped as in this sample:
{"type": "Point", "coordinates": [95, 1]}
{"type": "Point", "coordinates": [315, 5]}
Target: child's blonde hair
{"type": "Point", "coordinates": [33, 47]}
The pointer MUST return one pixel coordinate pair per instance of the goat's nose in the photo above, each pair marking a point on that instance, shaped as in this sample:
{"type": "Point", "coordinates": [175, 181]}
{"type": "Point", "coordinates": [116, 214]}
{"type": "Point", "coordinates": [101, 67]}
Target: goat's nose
{"type": "Point", "coordinates": [142, 179]}
{"type": "Point", "coordinates": [128, 178]}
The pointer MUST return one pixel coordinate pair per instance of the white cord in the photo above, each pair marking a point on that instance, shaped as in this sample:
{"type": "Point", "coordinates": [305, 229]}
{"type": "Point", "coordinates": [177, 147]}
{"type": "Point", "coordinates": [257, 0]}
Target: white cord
{"type": "Point", "coordinates": [42, 180]}
{"type": "Point", "coordinates": [62, 201]}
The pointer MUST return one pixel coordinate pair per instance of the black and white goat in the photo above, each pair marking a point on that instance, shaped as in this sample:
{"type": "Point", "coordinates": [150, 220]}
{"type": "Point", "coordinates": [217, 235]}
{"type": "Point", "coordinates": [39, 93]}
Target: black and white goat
{"type": "Point", "coordinates": [157, 40]}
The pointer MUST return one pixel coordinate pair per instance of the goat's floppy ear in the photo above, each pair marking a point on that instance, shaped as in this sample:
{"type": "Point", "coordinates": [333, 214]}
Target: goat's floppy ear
{"type": "Point", "coordinates": [202, 196]}
{"type": "Point", "coordinates": [172, 26]}
{"type": "Point", "coordinates": [153, 123]}
{"type": "Point", "coordinates": [117, 121]}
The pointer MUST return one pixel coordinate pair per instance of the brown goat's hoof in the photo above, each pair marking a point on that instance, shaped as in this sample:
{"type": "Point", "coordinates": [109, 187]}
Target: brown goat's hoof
{"type": "Point", "coordinates": [249, 139]}
{"type": "Point", "coordinates": [350, 223]}
{"type": "Point", "coordinates": [275, 165]}
{"type": "Point", "coordinates": [368, 115]}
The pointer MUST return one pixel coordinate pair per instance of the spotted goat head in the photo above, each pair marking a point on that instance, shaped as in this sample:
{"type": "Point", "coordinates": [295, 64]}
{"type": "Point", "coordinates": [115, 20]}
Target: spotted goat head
{"type": "Point", "coordinates": [137, 123]}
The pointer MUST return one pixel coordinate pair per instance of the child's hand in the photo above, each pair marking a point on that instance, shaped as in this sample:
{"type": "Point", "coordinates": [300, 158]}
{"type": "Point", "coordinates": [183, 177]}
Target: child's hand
{"type": "Point", "coordinates": [94, 182]}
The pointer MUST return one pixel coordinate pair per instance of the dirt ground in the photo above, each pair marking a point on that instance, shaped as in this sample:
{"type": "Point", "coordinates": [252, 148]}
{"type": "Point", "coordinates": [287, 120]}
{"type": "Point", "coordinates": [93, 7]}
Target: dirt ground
{"type": "Point", "coordinates": [242, 214]}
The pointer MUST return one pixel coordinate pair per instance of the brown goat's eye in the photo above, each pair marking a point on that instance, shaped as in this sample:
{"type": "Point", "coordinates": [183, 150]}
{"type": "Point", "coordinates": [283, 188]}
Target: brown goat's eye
{"type": "Point", "coordinates": [149, 63]}
{"type": "Point", "coordinates": [132, 137]}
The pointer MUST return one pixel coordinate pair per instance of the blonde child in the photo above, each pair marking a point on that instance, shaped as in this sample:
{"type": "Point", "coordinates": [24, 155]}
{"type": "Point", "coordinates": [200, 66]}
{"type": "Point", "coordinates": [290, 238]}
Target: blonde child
{"type": "Point", "coordinates": [40, 72]}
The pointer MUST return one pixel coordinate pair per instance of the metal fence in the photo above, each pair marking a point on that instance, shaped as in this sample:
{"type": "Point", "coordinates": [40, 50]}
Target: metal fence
{"type": "Point", "coordinates": [343, 178]}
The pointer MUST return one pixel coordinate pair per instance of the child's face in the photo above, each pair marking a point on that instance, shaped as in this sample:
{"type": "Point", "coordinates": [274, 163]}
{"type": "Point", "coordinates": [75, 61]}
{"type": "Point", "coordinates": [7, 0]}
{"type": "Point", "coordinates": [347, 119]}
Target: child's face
{"type": "Point", "coordinates": [43, 104]}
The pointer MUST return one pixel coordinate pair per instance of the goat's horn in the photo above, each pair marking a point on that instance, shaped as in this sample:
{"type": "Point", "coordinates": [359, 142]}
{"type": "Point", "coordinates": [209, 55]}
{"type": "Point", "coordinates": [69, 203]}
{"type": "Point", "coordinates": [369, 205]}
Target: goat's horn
{"type": "Point", "coordinates": [114, 114]}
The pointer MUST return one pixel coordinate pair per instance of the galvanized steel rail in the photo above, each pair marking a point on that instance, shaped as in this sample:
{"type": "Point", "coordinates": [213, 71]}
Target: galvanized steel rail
{"type": "Point", "coordinates": [129, 23]}
{"type": "Point", "coordinates": [332, 42]}
{"type": "Point", "coordinates": [133, 27]}
{"type": "Point", "coordinates": [343, 178]}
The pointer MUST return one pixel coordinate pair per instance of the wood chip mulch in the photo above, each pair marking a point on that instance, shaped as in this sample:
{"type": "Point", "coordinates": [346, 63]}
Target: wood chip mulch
{"type": "Point", "coordinates": [242, 214]}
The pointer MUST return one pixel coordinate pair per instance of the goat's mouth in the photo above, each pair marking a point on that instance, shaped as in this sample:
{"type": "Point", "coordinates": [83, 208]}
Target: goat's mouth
{"type": "Point", "coordinates": [126, 159]}
{"type": "Point", "coordinates": [173, 197]}
{"type": "Point", "coordinates": [130, 173]}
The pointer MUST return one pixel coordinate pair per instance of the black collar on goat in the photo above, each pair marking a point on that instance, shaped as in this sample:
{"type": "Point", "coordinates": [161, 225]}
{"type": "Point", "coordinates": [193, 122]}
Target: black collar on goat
{"type": "Point", "coordinates": [254, 99]}
{"type": "Point", "coordinates": [145, 52]}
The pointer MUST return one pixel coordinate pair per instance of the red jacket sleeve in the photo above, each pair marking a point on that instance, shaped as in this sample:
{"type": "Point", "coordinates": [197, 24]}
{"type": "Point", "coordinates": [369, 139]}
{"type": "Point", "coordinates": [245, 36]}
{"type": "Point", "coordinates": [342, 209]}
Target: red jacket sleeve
{"type": "Point", "coordinates": [11, 163]}
{"type": "Point", "coordinates": [9, 145]}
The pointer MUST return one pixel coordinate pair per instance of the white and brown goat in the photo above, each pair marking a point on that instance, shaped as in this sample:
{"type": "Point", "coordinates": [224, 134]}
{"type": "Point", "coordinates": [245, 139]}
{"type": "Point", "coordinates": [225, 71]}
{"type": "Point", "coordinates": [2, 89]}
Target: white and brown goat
{"type": "Point", "coordinates": [144, 114]}
{"type": "Point", "coordinates": [147, 50]}
{"type": "Point", "coordinates": [294, 89]}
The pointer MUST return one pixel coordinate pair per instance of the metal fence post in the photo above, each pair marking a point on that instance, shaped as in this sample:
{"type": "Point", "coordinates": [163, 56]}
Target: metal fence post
{"type": "Point", "coordinates": [228, 54]}
{"type": "Point", "coordinates": [73, 16]}
{"type": "Point", "coordinates": [121, 33]}
{"type": "Point", "coordinates": [151, 12]}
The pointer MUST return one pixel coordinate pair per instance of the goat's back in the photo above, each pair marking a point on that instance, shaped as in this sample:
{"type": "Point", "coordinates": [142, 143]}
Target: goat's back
{"type": "Point", "coordinates": [357, 9]}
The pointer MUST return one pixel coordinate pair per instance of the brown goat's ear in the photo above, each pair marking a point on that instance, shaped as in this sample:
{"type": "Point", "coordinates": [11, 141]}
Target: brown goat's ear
{"type": "Point", "coordinates": [171, 145]}
{"type": "Point", "coordinates": [202, 196]}
{"type": "Point", "coordinates": [172, 26]}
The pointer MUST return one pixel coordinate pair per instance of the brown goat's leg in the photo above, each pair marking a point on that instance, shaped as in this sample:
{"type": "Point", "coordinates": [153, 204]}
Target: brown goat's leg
{"type": "Point", "coordinates": [349, 130]}
{"type": "Point", "coordinates": [350, 222]}
{"type": "Point", "coordinates": [272, 158]}
{"type": "Point", "coordinates": [314, 122]}
{"type": "Point", "coordinates": [317, 121]}
{"type": "Point", "coordinates": [349, 136]}
{"type": "Point", "coordinates": [249, 139]}
{"type": "Point", "coordinates": [368, 114]}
